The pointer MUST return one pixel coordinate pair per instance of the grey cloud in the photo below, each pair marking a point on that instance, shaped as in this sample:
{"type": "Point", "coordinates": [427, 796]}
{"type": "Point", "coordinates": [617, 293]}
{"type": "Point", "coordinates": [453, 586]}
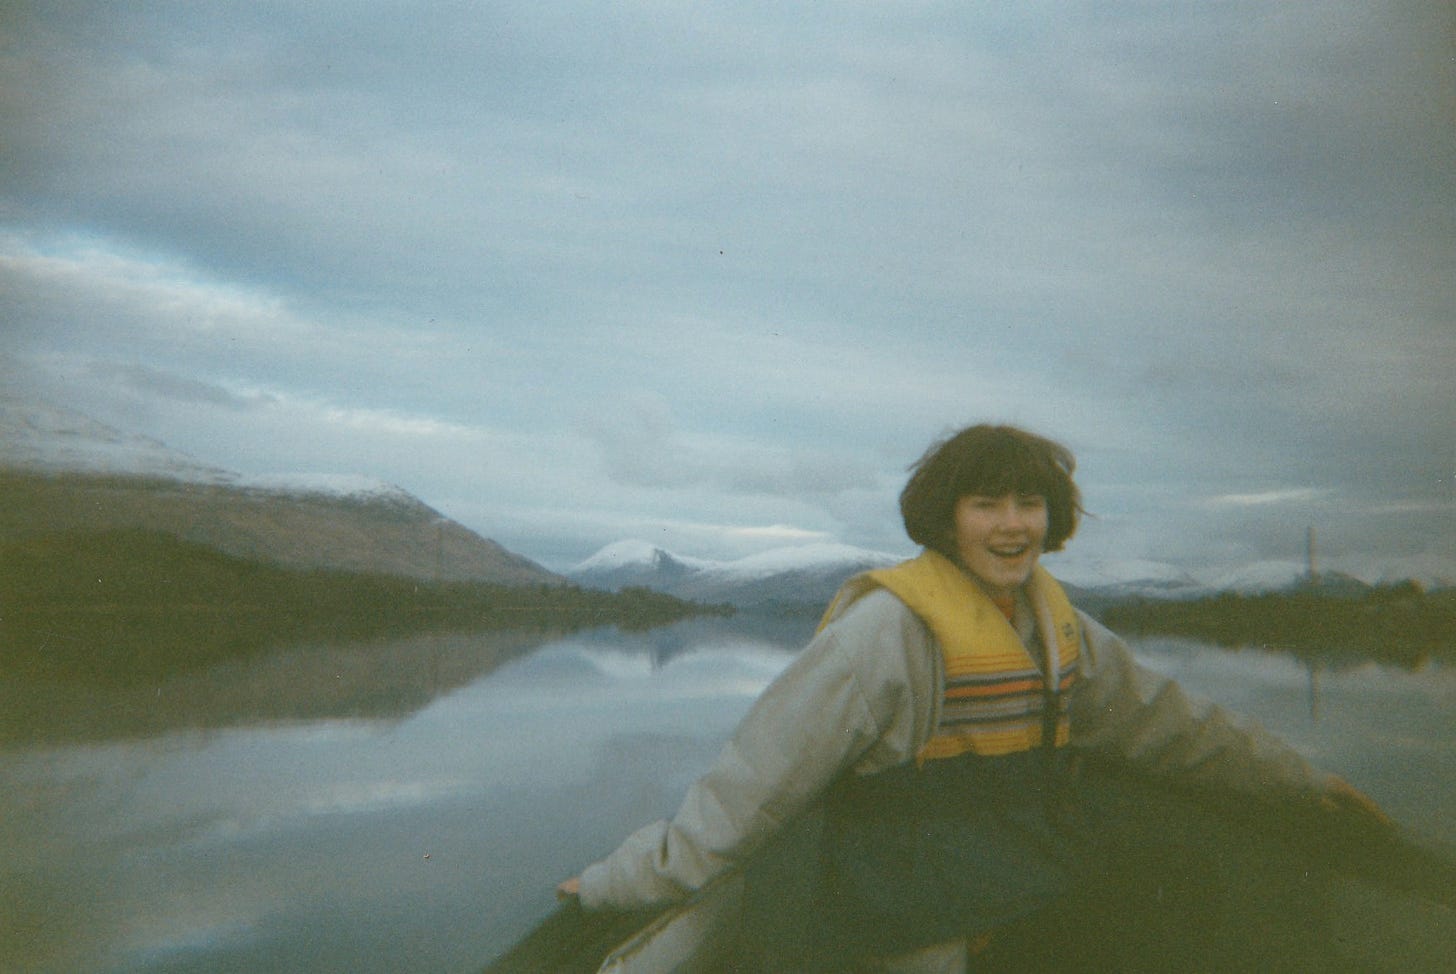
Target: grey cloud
{"type": "Point", "coordinates": [1209, 244]}
{"type": "Point", "coordinates": [147, 381]}
{"type": "Point", "coordinates": [642, 446]}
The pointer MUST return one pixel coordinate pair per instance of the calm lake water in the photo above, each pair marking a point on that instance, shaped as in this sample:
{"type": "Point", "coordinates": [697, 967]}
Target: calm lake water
{"type": "Point", "coordinates": [408, 806]}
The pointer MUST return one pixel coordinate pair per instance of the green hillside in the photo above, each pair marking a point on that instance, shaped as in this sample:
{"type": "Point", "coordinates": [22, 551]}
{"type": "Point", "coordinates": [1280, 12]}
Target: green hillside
{"type": "Point", "coordinates": [128, 605]}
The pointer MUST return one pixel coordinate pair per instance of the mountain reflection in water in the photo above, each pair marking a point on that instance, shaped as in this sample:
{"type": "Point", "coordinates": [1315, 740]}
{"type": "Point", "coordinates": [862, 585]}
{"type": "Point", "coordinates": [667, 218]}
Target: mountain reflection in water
{"type": "Point", "coordinates": [408, 806]}
{"type": "Point", "coordinates": [383, 679]}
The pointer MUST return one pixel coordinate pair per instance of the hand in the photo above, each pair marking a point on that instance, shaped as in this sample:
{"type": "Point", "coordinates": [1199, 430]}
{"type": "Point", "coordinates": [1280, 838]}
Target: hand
{"type": "Point", "coordinates": [1343, 798]}
{"type": "Point", "coordinates": [568, 888]}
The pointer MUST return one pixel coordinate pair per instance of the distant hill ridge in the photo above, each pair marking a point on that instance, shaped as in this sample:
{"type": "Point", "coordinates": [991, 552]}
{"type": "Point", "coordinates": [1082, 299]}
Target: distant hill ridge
{"type": "Point", "coordinates": [809, 575]}
{"type": "Point", "coordinates": [797, 576]}
{"type": "Point", "coordinates": [63, 472]}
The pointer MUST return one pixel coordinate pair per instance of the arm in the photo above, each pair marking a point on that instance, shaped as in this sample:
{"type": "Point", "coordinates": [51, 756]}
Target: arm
{"type": "Point", "coordinates": [844, 700]}
{"type": "Point", "coordinates": [1126, 711]}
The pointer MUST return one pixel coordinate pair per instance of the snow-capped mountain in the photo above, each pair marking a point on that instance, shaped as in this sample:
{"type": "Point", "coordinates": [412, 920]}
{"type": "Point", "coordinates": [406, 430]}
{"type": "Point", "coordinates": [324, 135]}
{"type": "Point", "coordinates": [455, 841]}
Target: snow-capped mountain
{"type": "Point", "coordinates": [1274, 576]}
{"type": "Point", "coordinates": [793, 575]}
{"type": "Point", "coordinates": [1129, 577]}
{"type": "Point", "coordinates": [46, 438]}
{"type": "Point", "coordinates": [629, 563]}
{"type": "Point", "coordinates": [810, 574]}
{"type": "Point", "coordinates": [1159, 580]}
{"type": "Point", "coordinates": [1431, 571]}
{"type": "Point", "coordinates": [63, 472]}
{"type": "Point", "coordinates": [1139, 578]}
{"type": "Point", "coordinates": [1344, 575]}
{"type": "Point", "coordinates": [50, 439]}
{"type": "Point", "coordinates": [804, 573]}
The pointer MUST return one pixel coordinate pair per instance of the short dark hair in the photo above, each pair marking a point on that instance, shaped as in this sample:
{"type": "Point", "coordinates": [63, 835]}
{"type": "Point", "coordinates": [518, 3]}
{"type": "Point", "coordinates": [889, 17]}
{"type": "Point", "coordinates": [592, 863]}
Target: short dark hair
{"type": "Point", "coordinates": [989, 461]}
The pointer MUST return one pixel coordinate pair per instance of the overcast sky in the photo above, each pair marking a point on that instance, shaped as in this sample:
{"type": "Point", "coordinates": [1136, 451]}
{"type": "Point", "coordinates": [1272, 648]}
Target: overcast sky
{"type": "Point", "coordinates": [713, 275]}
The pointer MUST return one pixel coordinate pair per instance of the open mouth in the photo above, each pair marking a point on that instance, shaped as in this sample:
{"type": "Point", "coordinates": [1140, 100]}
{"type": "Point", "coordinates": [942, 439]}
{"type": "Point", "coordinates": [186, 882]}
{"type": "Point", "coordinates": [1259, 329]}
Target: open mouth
{"type": "Point", "coordinates": [1009, 551]}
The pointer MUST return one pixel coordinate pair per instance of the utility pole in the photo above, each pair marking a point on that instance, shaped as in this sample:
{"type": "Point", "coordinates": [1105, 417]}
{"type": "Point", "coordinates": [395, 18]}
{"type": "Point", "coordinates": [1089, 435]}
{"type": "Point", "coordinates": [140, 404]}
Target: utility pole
{"type": "Point", "coordinates": [1313, 568]}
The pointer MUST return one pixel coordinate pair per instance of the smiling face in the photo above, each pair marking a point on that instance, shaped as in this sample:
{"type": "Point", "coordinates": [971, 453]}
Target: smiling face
{"type": "Point", "coordinates": [1000, 538]}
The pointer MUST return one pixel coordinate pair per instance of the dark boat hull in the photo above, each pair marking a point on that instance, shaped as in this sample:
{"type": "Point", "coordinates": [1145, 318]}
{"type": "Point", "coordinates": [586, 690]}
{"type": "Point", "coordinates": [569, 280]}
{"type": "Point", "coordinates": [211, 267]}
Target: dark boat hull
{"type": "Point", "coordinates": [1195, 882]}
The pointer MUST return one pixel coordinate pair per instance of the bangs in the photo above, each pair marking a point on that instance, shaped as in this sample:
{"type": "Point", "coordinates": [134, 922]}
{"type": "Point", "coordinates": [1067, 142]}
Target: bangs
{"type": "Point", "coordinates": [1009, 466]}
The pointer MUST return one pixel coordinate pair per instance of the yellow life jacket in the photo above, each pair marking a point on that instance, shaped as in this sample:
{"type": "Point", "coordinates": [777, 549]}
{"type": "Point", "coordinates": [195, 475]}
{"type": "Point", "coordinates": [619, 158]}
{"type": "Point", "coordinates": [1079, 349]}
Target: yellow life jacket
{"type": "Point", "coordinates": [996, 700]}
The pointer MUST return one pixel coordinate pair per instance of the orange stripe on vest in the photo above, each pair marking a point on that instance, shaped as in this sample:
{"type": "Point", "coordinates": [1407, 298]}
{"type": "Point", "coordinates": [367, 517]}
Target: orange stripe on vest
{"type": "Point", "coordinates": [995, 693]}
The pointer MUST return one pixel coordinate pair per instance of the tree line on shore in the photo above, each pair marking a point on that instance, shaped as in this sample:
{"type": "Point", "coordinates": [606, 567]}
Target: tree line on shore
{"type": "Point", "coordinates": [121, 606]}
{"type": "Point", "coordinates": [1399, 623]}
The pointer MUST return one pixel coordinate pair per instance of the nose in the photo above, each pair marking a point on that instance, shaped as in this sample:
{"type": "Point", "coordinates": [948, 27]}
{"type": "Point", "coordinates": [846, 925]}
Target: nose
{"type": "Point", "coordinates": [1011, 516]}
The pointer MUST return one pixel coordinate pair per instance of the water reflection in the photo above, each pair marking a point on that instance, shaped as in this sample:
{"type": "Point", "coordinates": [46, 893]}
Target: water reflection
{"type": "Point", "coordinates": [410, 809]}
{"type": "Point", "coordinates": [385, 679]}
{"type": "Point", "coordinates": [1390, 730]}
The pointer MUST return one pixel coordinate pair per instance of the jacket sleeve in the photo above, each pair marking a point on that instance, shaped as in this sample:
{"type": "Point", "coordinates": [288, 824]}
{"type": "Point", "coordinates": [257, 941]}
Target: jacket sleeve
{"type": "Point", "coordinates": [833, 705]}
{"type": "Point", "coordinates": [1125, 711]}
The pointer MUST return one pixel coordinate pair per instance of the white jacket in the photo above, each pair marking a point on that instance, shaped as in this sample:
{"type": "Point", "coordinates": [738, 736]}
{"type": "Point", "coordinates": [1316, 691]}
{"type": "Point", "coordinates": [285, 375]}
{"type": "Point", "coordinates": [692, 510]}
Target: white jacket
{"type": "Point", "coordinates": [864, 695]}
